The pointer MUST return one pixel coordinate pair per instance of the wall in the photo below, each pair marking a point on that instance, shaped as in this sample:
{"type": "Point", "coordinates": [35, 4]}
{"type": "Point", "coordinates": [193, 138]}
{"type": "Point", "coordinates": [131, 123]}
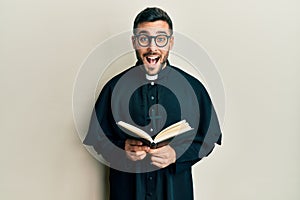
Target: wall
{"type": "Point", "coordinates": [255, 45]}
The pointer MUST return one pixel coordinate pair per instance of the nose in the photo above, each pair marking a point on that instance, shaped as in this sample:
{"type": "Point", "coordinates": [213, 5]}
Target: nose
{"type": "Point", "coordinates": [152, 44]}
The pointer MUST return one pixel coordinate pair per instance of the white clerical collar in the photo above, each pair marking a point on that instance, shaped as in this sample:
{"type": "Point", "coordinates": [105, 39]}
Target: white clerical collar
{"type": "Point", "coordinates": [151, 78]}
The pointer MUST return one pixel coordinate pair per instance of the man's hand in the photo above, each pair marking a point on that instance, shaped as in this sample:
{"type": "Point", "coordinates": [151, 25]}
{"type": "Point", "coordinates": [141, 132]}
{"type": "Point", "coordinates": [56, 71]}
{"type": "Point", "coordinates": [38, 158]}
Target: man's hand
{"type": "Point", "coordinates": [135, 150]}
{"type": "Point", "coordinates": [163, 156]}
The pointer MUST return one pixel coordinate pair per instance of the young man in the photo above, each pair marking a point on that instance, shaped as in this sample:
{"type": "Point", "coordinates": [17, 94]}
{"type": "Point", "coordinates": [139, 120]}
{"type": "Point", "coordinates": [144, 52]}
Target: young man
{"type": "Point", "coordinates": [152, 95]}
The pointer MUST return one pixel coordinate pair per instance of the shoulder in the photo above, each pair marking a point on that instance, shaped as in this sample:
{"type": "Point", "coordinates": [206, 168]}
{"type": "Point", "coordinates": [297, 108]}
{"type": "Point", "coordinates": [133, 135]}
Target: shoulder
{"type": "Point", "coordinates": [196, 84]}
{"type": "Point", "coordinates": [110, 84]}
{"type": "Point", "coordinates": [107, 89]}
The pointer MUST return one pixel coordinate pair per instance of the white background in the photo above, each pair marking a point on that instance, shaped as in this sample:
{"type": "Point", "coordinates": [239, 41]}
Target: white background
{"type": "Point", "coordinates": [255, 45]}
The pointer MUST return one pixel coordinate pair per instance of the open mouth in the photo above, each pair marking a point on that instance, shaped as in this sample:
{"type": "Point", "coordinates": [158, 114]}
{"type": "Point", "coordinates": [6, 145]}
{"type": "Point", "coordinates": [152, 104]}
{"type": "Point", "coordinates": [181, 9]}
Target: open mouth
{"type": "Point", "coordinates": [152, 60]}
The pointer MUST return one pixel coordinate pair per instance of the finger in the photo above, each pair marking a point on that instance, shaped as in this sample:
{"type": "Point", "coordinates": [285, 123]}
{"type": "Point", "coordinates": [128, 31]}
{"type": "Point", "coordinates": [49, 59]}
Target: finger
{"type": "Point", "coordinates": [136, 148]}
{"type": "Point", "coordinates": [160, 150]}
{"type": "Point", "coordinates": [140, 153]}
{"type": "Point", "coordinates": [153, 151]}
{"type": "Point", "coordinates": [163, 161]}
{"type": "Point", "coordinates": [159, 165]}
{"type": "Point", "coordinates": [158, 153]}
{"type": "Point", "coordinates": [134, 142]}
{"type": "Point", "coordinates": [158, 160]}
{"type": "Point", "coordinates": [136, 155]}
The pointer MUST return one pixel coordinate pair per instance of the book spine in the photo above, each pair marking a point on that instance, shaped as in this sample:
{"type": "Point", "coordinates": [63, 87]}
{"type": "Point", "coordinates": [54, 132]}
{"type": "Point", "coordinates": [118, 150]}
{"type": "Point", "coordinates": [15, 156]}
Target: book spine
{"type": "Point", "coordinates": [153, 145]}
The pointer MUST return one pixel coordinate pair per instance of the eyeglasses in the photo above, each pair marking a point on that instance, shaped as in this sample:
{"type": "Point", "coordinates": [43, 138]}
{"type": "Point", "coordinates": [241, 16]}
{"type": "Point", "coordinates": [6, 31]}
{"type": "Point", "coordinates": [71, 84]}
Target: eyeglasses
{"type": "Point", "coordinates": [145, 40]}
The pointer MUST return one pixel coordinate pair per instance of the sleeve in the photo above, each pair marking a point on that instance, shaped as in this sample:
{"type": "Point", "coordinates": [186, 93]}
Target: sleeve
{"type": "Point", "coordinates": [103, 134]}
{"type": "Point", "coordinates": [207, 135]}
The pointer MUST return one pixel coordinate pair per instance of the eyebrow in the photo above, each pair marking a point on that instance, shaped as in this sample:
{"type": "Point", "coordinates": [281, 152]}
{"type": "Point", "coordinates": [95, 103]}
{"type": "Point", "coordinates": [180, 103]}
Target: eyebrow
{"type": "Point", "coordinates": [143, 32]}
{"type": "Point", "coordinates": [162, 32]}
{"type": "Point", "coordinates": [147, 32]}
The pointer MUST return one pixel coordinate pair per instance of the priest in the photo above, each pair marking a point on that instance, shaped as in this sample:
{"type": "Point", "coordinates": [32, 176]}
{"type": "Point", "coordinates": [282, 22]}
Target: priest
{"type": "Point", "coordinates": [152, 95]}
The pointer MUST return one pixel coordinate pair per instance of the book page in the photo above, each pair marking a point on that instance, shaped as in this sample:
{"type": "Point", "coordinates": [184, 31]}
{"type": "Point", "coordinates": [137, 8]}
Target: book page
{"type": "Point", "coordinates": [173, 131]}
{"type": "Point", "coordinates": [172, 126]}
{"type": "Point", "coordinates": [135, 130]}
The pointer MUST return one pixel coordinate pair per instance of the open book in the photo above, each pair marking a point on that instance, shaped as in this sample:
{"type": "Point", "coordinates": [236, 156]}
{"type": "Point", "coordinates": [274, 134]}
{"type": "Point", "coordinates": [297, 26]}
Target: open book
{"type": "Point", "coordinates": [162, 138]}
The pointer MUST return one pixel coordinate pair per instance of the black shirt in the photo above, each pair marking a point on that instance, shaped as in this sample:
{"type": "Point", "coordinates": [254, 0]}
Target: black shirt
{"type": "Point", "coordinates": [153, 105]}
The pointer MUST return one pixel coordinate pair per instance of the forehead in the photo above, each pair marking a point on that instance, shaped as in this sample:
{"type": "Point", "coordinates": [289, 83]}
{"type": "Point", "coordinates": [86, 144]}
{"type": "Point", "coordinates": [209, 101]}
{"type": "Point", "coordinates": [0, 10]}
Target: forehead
{"type": "Point", "coordinates": [153, 28]}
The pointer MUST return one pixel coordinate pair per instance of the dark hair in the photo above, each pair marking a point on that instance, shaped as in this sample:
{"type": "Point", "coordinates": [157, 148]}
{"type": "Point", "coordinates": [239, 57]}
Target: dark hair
{"type": "Point", "coordinates": [151, 15]}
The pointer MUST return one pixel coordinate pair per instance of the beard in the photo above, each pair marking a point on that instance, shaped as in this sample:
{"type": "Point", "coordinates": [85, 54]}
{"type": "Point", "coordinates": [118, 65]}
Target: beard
{"type": "Point", "coordinates": [162, 63]}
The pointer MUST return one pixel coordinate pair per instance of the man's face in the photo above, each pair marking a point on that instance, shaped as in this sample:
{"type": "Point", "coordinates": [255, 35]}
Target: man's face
{"type": "Point", "coordinates": [149, 50]}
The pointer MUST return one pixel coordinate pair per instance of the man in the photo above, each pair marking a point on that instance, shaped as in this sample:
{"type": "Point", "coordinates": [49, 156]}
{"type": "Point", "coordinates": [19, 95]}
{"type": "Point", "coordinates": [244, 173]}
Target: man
{"type": "Point", "coordinates": [152, 95]}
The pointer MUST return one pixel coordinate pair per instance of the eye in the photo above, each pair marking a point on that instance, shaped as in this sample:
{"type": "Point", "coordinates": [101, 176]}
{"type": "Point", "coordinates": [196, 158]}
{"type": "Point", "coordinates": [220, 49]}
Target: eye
{"type": "Point", "coordinates": [143, 38]}
{"type": "Point", "coordinates": [161, 38]}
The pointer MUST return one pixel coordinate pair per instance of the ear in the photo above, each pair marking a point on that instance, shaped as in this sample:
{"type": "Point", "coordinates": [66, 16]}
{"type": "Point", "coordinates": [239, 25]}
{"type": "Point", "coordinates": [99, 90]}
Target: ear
{"type": "Point", "coordinates": [133, 40]}
{"type": "Point", "coordinates": [171, 41]}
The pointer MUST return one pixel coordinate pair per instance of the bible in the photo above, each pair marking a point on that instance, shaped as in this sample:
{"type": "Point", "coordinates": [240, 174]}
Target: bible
{"type": "Point", "coordinates": [162, 138]}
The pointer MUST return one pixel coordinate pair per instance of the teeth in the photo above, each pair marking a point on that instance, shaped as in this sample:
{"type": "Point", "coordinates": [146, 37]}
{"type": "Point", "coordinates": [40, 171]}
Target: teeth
{"type": "Point", "coordinates": [152, 59]}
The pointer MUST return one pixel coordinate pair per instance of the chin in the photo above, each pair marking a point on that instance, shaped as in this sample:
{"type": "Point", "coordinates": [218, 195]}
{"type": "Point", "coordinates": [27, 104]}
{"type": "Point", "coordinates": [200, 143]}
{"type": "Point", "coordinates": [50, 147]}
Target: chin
{"type": "Point", "coordinates": [152, 73]}
{"type": "Point", "coordinates": [152, 70]}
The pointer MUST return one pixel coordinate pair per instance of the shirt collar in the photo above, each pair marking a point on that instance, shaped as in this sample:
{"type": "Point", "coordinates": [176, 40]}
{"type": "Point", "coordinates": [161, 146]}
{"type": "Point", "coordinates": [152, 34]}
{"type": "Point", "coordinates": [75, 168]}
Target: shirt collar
{"type": "Point", "coordinates": [158, 76]}
{"type": "Point", "coordinates": [151, 78]}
